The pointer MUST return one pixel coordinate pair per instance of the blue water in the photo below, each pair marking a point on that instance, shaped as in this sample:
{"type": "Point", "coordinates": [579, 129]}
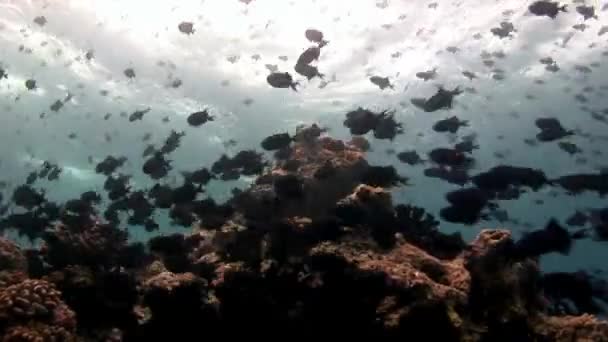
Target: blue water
{"type": "Point", "coordinates": [220, 71]}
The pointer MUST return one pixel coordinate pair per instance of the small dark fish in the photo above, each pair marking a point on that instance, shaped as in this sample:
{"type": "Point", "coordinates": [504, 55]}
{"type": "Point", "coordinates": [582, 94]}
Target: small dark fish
{"type": "Point", "coordinates": [504, 177]}
{"type": "Point", "coordinates": [387, 127]}
{"type": "Point", "coordinates": [451, 125]}
{"type": "Point", "coordinates": [452, 49]}
{"type": "Point", "coordinates": [117, 186]}
{"type": "Point", "coordinates": [466, 146]}
{"type": "Point", "coordinates": [30, 84]}
{"type": "Point", "coordinates": [551, 129]}
{"type": "Point", "coordinates": [587, 12]}
{"type": "Point", "coordinates": [547, 8]}
{"type": "Point", "coordinates": [361, 121]}
{"type": "Point", "coordinates": [197, 119]}
{"type": "Point", "coordinates": [3, 73]}
{"type": "Point", "coordinates": [451, 175]}
{"type": "Point", "coordinates": [583, 68]}
{"type": "Point", "coordinates": [56, 106]}
{"type": "Point", "coordinates": [443, 99]}
{"type": "Point", "coordinates": [109, 165]}
{"type": "Point", "coordinates": [281, 80]}
{"type": "Point", "coordinates": [449, 157]}
{"type": "Point", "coordinates": [569, 147]}
{"type": "Point", "coordinates": [469, 74]}
{"type": "Point", "coordinates": [546, 60]}
{"type": "Point", "coordinates": [552, 67]}
{"type": "Point", "coordinates": [186, 27]}
{"type": "Point", "coordinates": [138, 114]}
{"type": "Point", "coordinates": [578, 219]}
{"type": "Point", "coordinates": [276, 141]}
{"type": "Point", "coordinates": [201, 176]}
{"type": "Point", "coordinates": [580, 27]}
{"type": "Point", "coordinates": [466, 206]}
{"type": "Point", "coordinates": [148, 151]}
{"type": "Point", "coordinates": [90, 197]}
{"type": "Point", "coordinates": [580, 234]}
{"type": "Point", "coordinates": [553, 238]}
{"type": "Point", "coordinates": [504, 31]}
{"type": "Point", "coordinates": [272, 67]}
{"type": "Point", "coordinates": [150, 225]}
{"type": "Point", "coordinates": [172, 142]}
{"type": "Point", "coordinates": [577, 183]}
{"type": "Point", "coordinates": [176, 83]}
{"type": "Point", "coordinates": [40, 20]}
{"type": "Point", "coordinates": [308, 71]}
{"type": "Point", "coordinates": [309, 55]}
{"type": "Point", "coordinates": [27, 197]}
{"type": "Point", "coordinates": [315, 36]}
{"type": "Point", "coordinates": [381, 82]}
{"type": "Point", "coordinates": [31, 178]}
{"type": "Point", "coordinates": [129, 72]}
{"type": "Point", "coordinates": [427, 75]}
{"type": "Point", "coordinates": [410, 157]}
{"type": "Point", "coordinates": [45, 169]}
{"type": "Point", "coordinates": [54, 174]}
{"type": "Point", "coordinates": [157, 166]}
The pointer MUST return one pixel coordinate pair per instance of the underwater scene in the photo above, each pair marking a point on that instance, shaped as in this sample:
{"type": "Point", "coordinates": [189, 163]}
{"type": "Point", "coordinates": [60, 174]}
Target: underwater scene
{"type": "Point", "coordinates": [383, 169]}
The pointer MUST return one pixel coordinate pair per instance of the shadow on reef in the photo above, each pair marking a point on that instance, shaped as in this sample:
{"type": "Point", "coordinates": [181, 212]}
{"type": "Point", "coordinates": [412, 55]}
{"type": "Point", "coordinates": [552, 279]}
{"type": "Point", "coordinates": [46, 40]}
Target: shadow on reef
{"type": "Point", "coordinates": [314, 246]}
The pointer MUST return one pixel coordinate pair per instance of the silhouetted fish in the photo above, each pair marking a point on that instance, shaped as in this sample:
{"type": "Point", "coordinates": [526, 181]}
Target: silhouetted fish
{"type": "Point", "coordinates": [309, 55]}
{"type": "Point", "coordinates": [281, 80]}
{"type": "Point", "coordinates": [199, 118]}
{"type": "Point", "coordinates": [276, 141]}
{"type": "Point", "coordinates": [553, 238]}
{"type": "Point", "coordinates": [315, 36]}
{"type": "Point", "coordinates": [381, 82]}
{"type": "Point", "coordinates": [546, 8]}
{"type": "Point", "coordinates": [186, 27]}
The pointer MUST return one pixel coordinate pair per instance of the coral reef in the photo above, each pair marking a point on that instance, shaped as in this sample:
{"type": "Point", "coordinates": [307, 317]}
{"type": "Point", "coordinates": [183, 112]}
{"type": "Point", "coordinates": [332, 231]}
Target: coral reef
{"type": "Point", "coordinates": [38, 332]}
{"type": "Point", "coordinates": [93, 244]}
{"type": "Point", "coordinates": [314, 244]}
{"type": "Point", "coordinates": [11, 257]}
{"type": "Point", "coordinates": [32, 310]}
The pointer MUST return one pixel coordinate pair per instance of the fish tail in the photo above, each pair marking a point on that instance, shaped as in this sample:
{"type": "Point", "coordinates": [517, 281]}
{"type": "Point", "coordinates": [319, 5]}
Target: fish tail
{"type": "Point", "coordinates": [564, 8]}
{"type": "Point", "coordinates": [294, 86]}
{"type": "Point", "coordinates": [323, 43]}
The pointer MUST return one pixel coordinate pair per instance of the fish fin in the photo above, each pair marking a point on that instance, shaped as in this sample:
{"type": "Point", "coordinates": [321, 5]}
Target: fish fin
{"type": "Point", "coordinates": [323, 43]}
{"type": "Point", "coordinates": [564, 8]}
{"type": "Point", "coordinates": [294, 86]}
